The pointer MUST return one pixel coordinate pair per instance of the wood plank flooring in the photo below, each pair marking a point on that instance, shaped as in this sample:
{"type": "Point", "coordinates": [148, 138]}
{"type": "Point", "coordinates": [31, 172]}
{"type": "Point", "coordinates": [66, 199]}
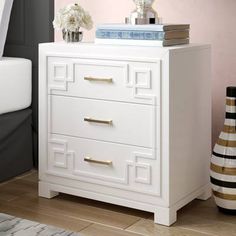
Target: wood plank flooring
{"type": "Point", "coordinates": [18, 197]}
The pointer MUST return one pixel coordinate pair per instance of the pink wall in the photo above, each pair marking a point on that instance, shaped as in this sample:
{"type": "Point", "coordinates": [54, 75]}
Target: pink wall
{"type": "Point", "coordinates": [212, 21]}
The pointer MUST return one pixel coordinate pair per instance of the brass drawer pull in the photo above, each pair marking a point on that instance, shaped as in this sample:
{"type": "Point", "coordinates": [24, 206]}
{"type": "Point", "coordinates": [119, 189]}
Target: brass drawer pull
{"type": "Point", "coordinates": [105, 80]}
{"type": "Point", "coordinates": [107, 122]}
{"type": "Point", "coordinates": [90, 160]}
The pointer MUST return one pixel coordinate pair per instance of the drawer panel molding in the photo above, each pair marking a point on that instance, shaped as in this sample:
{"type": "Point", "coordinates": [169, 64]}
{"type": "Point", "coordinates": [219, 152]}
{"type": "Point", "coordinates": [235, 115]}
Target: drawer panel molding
{"type": "Point", "coordinates": [136, 169]}
{"type": "Point", "coordinates": [134, 81]}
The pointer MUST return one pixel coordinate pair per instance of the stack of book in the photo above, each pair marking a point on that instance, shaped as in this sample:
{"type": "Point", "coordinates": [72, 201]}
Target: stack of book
{"type": "Point", "coordinates": [144, 35]}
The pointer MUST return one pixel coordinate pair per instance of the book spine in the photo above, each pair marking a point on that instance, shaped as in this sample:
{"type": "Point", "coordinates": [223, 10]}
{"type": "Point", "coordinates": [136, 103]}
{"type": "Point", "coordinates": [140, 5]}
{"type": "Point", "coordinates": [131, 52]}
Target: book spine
{"type": "Point", "coordinates": [128, 42]}
{"type": "Point", "coordinates": [129, 34]}
{"type": "Point", "coordinates": [131, 27]}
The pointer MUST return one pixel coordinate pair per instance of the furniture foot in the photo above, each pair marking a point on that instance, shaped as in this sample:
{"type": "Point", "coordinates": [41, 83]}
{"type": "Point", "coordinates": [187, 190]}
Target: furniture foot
{"type": "Point", "coordinates": [44, 191]}
{"type": "Point", "coordinates": [165, 216]}
{"type": "Point", "coordinates": [206, 194]}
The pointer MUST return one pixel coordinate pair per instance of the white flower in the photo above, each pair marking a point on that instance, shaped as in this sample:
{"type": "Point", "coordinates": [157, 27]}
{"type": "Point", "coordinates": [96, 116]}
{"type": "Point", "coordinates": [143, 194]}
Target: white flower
{"type": "Point", "coordinates": [57, 23]}
{"type": "Point", "coordinates": [72, 22]}
{"type": "Point", "coordinates": [72, 17]}
{"type": "Point", "coordinates": [87, 22]}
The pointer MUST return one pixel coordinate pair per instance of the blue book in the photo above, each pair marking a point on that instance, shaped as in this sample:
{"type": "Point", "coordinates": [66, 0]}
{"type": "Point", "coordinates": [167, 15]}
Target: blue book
{"type": "Point", "coordinates": [138, 35]}
{"type": "Point", "coordinates": [141, 35]}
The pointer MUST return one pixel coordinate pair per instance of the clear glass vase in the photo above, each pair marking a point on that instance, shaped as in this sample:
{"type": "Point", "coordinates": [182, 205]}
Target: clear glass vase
{"type": "Point", "coordinates": [223, 161]}
{"type": "Point", "coordinates": [72, 37]}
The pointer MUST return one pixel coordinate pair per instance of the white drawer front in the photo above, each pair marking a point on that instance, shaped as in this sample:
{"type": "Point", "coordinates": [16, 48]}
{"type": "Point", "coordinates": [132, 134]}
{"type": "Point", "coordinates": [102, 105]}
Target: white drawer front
{"type": "Point", "coordinates": [126, 123]}
{"type": "Point", "coordinates": [136, 82]}
{"type": "Point", "coordinates": [131, 168]}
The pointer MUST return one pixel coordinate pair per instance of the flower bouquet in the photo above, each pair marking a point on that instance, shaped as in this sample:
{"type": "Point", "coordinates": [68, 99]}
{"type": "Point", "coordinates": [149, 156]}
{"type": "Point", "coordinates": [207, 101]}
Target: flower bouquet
{"type": "Point", "coordinates": [70, 19]}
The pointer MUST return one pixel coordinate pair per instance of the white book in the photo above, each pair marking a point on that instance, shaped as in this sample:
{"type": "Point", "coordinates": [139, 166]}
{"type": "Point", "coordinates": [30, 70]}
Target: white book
{"type": "Point", "coordinates": [151, 27]}
{"type": "Point", "coordinates": [151, 43]}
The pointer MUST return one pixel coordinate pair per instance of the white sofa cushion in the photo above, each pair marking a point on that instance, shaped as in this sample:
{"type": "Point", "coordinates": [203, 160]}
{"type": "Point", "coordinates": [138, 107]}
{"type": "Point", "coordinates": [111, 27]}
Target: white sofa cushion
{"type": "Point", "coordinates": [15, 84]}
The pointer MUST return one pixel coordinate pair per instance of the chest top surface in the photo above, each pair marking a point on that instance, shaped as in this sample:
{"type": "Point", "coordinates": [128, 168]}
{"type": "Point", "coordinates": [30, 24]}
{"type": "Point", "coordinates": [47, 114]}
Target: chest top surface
{"type": "Point", "coordinates": [60, 48]}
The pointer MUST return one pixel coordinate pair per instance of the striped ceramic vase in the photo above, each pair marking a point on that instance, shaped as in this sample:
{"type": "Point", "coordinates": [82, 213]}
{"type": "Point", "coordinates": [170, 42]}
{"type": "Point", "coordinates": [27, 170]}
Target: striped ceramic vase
{"type": "Point", "coordinates": [223, 161]}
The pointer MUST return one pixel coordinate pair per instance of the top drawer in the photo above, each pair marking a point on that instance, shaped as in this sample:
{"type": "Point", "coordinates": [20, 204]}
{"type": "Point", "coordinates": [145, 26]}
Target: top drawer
{"type": "Point", "coordinates": [124, 81]}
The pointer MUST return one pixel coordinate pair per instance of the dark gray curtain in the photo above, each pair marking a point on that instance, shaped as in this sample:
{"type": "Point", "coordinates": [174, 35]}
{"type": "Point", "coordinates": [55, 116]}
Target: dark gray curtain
{"type": "Point", "coordinates": [30, 24]}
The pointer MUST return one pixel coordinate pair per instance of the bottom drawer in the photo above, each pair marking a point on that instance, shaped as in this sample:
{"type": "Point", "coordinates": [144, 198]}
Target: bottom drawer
{"type": "Point", "coordinates": [115, 165]}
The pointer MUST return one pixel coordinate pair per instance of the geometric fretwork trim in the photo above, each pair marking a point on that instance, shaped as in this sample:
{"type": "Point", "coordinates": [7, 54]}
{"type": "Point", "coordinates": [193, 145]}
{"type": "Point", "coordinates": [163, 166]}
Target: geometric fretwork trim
{"type": "Point", "coordinates": [139, 85]}
{"type": "Point", "coordinates": [60, 71]}
{"type": "Point", "coordinates": [137, 164]}
{"type": "Point", "coordinates": [62, 150]}
{"type": "Point", "coordinates": [136, 170]}
{"type": "Point", "coordinates": [61, 77]}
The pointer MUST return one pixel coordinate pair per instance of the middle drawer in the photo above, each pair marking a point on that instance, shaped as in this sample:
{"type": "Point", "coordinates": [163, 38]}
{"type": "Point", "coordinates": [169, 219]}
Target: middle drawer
{"type": "Point", "coordinates": [125, 123]}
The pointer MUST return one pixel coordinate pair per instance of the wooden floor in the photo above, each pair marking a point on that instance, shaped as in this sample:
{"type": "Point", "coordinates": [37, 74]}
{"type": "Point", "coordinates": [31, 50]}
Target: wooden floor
{"type": "Point", "coordinates": [18, 197]}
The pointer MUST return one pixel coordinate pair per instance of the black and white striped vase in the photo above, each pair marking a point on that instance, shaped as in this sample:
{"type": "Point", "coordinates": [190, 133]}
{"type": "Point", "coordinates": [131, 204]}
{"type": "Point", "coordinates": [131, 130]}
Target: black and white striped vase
{"type": "Point", "coordinates": [223, 161]}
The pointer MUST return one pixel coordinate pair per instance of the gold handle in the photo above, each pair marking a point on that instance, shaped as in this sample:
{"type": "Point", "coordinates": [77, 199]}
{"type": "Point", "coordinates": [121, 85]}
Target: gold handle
{"type": "Point", "coordinates": [106, 80]}
{"type": "Point", "coordinates": [107, 122]}
{"type": "Point", "coordinates": [90, 160]}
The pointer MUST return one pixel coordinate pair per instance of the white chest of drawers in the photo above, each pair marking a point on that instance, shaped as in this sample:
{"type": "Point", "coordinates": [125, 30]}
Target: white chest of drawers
{"type": "Point", "coordinates": [126, 125]}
